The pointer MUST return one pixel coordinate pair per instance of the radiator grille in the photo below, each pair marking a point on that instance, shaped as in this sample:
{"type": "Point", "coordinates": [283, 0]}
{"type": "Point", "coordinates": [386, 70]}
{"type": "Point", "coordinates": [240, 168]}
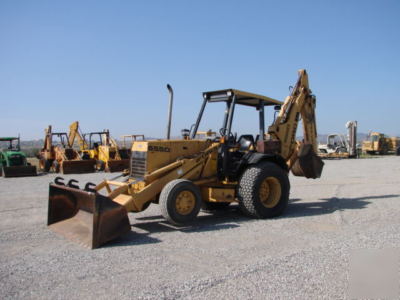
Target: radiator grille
{"type": "Point", "coordinates": [138, 164]}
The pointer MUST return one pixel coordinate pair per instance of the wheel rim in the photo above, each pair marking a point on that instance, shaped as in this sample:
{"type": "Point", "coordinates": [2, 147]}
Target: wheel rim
{"type": "Point", "coordinates": [185, 202]}
{"type": "Point", "coordinates": [270, 192]}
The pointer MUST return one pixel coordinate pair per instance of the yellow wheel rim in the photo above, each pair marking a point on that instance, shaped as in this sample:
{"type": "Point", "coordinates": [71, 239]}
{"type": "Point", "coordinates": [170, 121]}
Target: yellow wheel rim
{"type": "Point", "coordinates": [185, 202]}
{"type": "Point", "coordinates": [270, 192]}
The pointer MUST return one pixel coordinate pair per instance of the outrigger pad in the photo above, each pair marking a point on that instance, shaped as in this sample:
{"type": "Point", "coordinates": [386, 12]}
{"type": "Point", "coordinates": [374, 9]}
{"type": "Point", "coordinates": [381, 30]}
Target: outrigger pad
{"type": "Point", "coordinates": [87, 218]}
{"type": "Point", "coordinates": [308, 164]}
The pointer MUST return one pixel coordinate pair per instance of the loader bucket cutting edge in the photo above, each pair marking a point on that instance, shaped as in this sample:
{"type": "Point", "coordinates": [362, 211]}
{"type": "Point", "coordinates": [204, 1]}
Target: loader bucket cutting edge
{"type": "Point", "coordinates": [308, 164]}
{"type": "Point", "coordinates": [88, 218]}
{"type": "Point", "coordinates": [19, 171]}
{"type": "Point", "coordinates": [78, 166]}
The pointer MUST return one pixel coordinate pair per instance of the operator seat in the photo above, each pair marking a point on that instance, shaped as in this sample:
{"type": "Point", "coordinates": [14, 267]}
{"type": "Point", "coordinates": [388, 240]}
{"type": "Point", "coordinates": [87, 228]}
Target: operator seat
{"type": "Point", "coordinates": [245, 142]}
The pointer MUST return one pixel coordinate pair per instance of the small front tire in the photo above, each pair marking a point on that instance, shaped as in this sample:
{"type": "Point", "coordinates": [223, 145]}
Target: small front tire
{"type": "Point", "coordinates": [180, 201]}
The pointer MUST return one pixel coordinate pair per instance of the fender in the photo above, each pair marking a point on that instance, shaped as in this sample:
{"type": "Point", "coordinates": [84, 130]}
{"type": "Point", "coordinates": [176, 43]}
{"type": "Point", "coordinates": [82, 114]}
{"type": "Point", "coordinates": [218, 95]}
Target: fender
{"type": "Point", "coordinates": [253, 158]}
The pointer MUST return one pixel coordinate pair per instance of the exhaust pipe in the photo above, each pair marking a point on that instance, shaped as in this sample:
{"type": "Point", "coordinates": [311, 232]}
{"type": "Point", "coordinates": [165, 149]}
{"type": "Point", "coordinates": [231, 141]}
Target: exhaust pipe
{"type": "Point", "coordinates": [171, 99]}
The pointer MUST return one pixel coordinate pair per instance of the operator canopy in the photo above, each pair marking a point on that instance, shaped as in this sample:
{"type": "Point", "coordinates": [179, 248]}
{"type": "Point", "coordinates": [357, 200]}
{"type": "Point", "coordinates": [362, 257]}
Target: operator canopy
{"type": "Point", "coordinates": [243, 98]}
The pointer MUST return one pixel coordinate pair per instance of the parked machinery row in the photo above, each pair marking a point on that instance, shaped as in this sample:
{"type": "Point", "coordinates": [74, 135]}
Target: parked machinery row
{"type": "Point", "coordinates": [74, 152]}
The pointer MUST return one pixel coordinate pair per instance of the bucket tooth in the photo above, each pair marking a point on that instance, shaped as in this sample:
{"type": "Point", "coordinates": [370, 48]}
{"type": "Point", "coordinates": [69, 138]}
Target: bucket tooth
{"type": "Point", "coordinates": [87, 218]}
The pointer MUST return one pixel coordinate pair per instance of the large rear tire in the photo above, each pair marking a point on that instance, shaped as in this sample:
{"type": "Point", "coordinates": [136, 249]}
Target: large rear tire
{"type": "Point", "coordinates": [263, 190]}
{"type": "Point", "coordinates": [180, 201]}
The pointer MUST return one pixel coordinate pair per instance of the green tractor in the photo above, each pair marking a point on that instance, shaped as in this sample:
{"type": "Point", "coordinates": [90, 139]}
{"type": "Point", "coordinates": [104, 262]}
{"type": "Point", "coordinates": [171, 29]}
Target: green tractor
{"type": "Point", "coordinates": [13, 161]}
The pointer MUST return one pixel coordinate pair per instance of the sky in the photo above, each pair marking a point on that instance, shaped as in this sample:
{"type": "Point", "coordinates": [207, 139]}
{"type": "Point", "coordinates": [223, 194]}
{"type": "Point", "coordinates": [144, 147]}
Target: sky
{"type": "Point", "coordinates": [107, 63]}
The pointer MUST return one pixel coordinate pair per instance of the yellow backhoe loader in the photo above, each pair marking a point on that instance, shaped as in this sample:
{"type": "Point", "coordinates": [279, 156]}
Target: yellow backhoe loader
{"type": "Point", "coordinates": [182, 175]}
{"type": "Point", "coordinates": [60, 156]}
{"type": "Point", "coordinates": [102, 148]}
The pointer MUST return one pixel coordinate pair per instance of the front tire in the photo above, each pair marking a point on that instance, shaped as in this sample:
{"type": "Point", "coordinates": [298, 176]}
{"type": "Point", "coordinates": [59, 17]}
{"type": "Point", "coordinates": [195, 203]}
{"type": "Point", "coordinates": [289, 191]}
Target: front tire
{"type": "Point", "coordinates": [263, 190]}
{"type": "Point", "coordinates": [180, 201]}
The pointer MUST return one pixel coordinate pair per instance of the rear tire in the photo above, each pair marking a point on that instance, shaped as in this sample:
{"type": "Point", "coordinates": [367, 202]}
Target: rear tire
{"type": "Point", "coordinates": [180, 201]}
{"type": "Point", "coordinates": [263, 190]}
{"type": "Point", "coordinates": [398, 151]}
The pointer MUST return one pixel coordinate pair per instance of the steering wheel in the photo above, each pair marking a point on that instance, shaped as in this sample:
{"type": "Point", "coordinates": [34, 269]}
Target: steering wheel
{"type": "Point", "coordinates": [231, 137]}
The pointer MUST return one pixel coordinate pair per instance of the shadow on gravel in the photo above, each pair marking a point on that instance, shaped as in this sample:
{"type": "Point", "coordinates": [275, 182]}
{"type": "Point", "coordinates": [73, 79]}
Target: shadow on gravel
{"type": "Point", "coordinates": [132, 238]}
{"type": "Point", "coordinates": [218, 220]}
{"type": "Point", "coordinates": [296, 208]}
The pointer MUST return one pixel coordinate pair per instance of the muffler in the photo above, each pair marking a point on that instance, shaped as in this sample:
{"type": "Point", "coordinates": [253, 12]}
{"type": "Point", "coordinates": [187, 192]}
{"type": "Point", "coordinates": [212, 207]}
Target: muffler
{"type": "Point", "coordinates": [85, 216]}
{"type": "Point", "coordinates": [308, 163]}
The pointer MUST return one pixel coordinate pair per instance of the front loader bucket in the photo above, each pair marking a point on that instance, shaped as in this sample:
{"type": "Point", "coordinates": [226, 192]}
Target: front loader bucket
{"type": "Point", "coordinates": [308, 164]}
{"type": "Point", "coordinates": [114, 165]}
{"type": "Point", "coordinates": [77, 166]}
{"type": "Point", "coordinates": [87, 218]}
{"type": "Point", "coordinates": [19, 171]}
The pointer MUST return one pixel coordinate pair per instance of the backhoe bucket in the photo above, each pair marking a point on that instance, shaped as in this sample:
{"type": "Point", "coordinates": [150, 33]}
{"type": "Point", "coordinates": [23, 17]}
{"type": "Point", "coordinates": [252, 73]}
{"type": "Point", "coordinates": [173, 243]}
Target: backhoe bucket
{"type": "Point", "coordinates": [19, 171]}
{"type": "Point", "coordinates": [308, 163]}
{"type": "Point", "coordinates": [85, 217]}
{"type": "Point", "coordinates": [77, 166]}
{"type": "Point", "coordinates": [114, 165]}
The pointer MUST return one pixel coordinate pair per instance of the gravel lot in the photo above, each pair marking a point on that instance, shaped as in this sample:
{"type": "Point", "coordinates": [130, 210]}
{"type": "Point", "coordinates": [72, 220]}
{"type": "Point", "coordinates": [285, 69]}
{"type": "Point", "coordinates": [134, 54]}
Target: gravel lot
{"type": "Point", "coordinates": [305, 254]}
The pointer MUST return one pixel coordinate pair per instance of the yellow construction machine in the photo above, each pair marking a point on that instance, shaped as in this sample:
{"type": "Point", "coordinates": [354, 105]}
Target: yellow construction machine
{"type": "Point", "coordinates": [182, 175]}
{"type": "Point", "coordinates": [127, 142]}
{"type": "Point", "coordinates": [59, 155]}
{"type": "Point", "coordinates": [101, 147]}
{"type": "Point", "coordinates": [379, 143]}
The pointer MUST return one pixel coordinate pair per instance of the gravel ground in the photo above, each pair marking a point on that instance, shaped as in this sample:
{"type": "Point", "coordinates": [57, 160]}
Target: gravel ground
{"type": "Point", "coordinates": [305, 254]}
